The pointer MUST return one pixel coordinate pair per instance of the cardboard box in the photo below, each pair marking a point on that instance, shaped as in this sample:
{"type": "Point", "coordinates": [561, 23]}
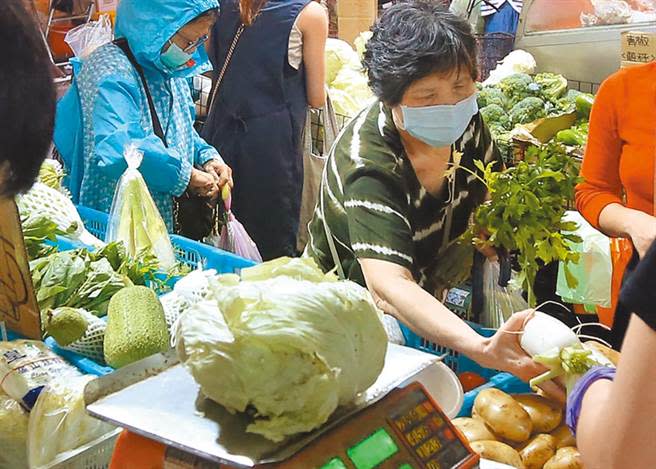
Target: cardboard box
{"type": "Point", "coordinates": [355, 17]}
{"type": "Point", "coordinates": [637, 48]}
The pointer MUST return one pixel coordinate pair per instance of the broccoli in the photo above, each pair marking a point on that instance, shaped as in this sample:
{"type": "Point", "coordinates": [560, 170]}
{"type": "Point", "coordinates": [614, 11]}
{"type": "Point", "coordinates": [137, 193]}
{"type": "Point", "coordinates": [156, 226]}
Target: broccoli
{"type": "Point", "coordinates": [504, 143]}
{"type": "Point", "coordinates": [490, 95]}
{"type": "Point", "coordinates": [495, 115]}
{"type": "Point", "coordinates": [527, 110]}
{"type": "Point", "coordinates": [568, 102]}
{"type": "Point", "coordinates": [517, 87]}
{"type": "Point", "coordinates": [552, 86]}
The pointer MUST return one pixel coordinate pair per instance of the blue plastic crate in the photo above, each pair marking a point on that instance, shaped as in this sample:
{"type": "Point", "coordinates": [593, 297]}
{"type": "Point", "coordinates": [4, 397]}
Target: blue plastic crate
{"type": "Point", "coordinates": [190, 253]}
{"type": "Point", "coordinates": [457, 362]}
{"type": "Point", "coordinates": [502, 381]}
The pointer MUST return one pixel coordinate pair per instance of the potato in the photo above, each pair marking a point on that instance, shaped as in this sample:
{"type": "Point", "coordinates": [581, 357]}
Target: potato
{"type": "Point", "coordinates": [473, 429]}
{"type": "Point", "coordinates": [563, 437]}
{"type": "Point", "coordinates": [566, 458]}
{"type": "Point", "coordinates": [538, 451]}
{"type": "Point", "coordinates": [505, 417]}
{"type": "Point", "coordinates": [498, 452]}
{"type": "Point", "coordinates": [545, 415]}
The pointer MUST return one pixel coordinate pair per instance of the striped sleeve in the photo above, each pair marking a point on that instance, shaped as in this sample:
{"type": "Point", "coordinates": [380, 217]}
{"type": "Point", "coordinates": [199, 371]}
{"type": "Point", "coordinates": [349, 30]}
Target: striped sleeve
{"type": "Point", "coordinates": [379, 227]}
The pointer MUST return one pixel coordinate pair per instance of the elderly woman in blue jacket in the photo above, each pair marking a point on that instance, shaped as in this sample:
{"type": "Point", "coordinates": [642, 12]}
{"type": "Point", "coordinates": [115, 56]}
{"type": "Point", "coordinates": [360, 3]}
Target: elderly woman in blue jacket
{"type": "Point", "coordinates": [108, 108]}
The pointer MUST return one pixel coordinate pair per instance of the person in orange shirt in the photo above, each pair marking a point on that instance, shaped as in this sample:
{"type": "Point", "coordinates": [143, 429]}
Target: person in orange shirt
{"type": "Point", "coordinates": [617, 195]}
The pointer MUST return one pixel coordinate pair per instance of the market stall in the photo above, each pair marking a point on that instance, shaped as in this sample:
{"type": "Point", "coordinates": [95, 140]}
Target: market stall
{"type": "Point", "coordinates": [216, 359]}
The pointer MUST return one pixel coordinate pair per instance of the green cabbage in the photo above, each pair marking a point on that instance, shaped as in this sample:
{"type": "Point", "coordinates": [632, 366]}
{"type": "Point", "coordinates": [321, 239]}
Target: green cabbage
{"type": "Point", "coordinates": [360, 43]}
{"type": "Point", "coordinates": [13, 433]}
{"type": "Point", "coordinates": [290, 350]}
{"type": "Point", "coordinates": [350, 92]}
{"type": "Point", "coordinates": [338, 55]}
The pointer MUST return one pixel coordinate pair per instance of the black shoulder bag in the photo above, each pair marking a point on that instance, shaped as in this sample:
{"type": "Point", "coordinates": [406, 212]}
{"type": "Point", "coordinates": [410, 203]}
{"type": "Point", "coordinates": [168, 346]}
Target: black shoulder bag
{"type": "Point", "coordinates": [193, 215]}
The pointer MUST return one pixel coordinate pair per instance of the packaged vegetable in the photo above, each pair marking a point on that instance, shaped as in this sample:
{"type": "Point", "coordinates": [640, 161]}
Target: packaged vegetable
{"type": "Point", "coordinates": [503, 415]}
{"type": "Point", "coordinates": [292, 350]}
{"type": "Point", "coordinates": [134, 218]}
{"type": "Point", "coordinates": [26, 366]}
{"type": "Point", "coordinates": [13, 433]}
{"type": "Point", "coordinates": [59, 422]}
{"type": "Point", "coordinates": [78, 331]}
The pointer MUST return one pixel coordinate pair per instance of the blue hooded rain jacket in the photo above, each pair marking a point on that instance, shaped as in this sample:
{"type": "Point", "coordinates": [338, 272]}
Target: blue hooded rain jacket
{"type": "Point", "coordinates": [106, 109]}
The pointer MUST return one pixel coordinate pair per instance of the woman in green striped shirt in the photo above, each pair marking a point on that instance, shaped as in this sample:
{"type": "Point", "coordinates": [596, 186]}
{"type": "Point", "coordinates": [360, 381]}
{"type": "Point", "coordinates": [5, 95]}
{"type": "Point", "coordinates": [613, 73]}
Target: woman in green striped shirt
{"type": "Point", "coordinates": [396, 195]}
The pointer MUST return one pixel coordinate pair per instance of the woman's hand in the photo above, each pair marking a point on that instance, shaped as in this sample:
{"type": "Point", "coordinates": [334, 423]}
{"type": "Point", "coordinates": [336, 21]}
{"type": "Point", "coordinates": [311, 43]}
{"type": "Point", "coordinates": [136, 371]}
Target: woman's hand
{"type": "Point", "coordinates": [504, 352]}
{"type": "Point", "coordinates": [203, 184]}
{"type": "Point", "coordinates": [642, 229]}
{"type": "Point", "coordinates": [222, 172]}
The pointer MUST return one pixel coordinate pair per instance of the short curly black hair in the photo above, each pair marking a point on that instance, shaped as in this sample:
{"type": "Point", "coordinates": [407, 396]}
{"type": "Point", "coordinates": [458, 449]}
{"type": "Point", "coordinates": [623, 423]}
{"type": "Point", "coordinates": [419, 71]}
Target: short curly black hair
{"type": "Point", "coordinates": [413, 39]}
{"type": "Point", "coordinates": [27, 99]}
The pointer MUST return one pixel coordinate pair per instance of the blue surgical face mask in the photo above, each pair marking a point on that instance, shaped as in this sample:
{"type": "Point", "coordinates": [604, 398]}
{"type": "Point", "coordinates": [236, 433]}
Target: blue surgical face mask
{"type": "Point", "coordinates": [439, 126]}
{"type": "Point", "coordinates": [175, 57]}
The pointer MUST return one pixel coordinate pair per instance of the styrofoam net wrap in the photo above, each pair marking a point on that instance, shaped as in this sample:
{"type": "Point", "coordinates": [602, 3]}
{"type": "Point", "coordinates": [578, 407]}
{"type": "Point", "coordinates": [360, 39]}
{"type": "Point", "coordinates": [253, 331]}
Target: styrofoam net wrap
{"type": "Point", "coordinates": [174, 306]}
{"type": "Point", "coordinates": [91, 345]}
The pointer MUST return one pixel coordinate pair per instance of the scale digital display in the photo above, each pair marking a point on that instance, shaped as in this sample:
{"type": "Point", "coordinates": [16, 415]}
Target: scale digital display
{"type": "Point", "coordinates": [406, 430]}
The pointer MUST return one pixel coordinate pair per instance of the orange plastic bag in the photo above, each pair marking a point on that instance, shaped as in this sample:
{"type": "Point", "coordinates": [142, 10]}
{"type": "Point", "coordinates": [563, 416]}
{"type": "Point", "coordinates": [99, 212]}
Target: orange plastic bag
{"type": "Point", "coordinates": [621, 251]}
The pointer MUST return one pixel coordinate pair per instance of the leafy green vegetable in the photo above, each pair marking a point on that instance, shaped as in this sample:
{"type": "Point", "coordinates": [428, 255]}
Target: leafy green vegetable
{"type": "Point", "coordinates": [495, 116]}
{"type": "Point", "coordinates": [302, 268]}
{"type": "Point", "coordinates": [527, 110]}
{"type": "Point", "coordinates": [74, 279]}
{"type": "Point", "coordinates": [571, 362]}
{"type": "Point", "coordinates": [526, 207]}
{"type": "Point", "coordinates": [37, 231]}
{"type": "Point", "coordinates": [552, 86]}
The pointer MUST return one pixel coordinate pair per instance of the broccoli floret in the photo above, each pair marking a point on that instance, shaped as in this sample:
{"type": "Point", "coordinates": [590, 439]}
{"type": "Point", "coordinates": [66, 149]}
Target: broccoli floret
{"type": "Point", "coordinates": [490, 95]}
{"type": "Point", "coordinates": [527, 110]}
{"type": "Point", "coordinates": [517, 87]}
{"type": "Point", "coordinates": [495, 115]}
{"type": "Point", "coordinates": [552, 86]}
{"type": "Point", "coordinates": [504, 143]}
{"type": "Point", "coordinates": [568, 102]}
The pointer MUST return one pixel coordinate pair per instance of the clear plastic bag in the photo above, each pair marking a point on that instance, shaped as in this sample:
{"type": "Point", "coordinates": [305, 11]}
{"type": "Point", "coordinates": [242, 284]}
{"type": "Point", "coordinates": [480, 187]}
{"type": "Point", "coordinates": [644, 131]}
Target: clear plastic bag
{"type": "Point", "coordinates": [233, 237]}
{"type": "Point", "coordinates": [593, 272]}
{"type": "Point", "coordinates": [59, 422]}
{"type": "Point", "coordinates": [134, 218]}
{"type": "Point", "coordinates": [86, 38]}
{"type": "Point", "coordinates": [13, 433]}
{"type": "Point", "coordinates": [499, 302]}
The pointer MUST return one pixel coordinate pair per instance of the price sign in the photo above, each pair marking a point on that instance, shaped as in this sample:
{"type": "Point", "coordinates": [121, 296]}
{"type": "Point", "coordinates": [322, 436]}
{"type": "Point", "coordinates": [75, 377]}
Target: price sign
{"type": "Point", "coordinates": [18, 306]}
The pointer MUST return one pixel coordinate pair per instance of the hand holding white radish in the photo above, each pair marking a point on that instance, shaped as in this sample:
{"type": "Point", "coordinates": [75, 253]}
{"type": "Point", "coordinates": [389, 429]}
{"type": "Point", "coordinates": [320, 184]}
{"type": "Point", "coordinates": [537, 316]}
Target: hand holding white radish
{"type": "Point", "coordinates": [504, 351]}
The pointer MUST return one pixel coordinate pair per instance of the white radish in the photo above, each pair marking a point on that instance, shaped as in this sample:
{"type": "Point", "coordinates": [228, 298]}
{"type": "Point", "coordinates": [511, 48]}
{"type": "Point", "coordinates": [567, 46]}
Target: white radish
{"type": "Point", "coordinates": [544, 333]}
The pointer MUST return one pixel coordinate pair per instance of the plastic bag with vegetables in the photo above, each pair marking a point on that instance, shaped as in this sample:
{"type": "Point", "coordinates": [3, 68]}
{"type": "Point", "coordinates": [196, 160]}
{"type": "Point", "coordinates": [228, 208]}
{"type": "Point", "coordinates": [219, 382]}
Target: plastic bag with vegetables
{"type": "Point", "coordinates": [500, 299]}
{"type": "Point", "coordinates": [134, 218]}
{"type": "Point", "coordinates": [13, 433]}
{"type": "Point", "coordinates": [59, 422]}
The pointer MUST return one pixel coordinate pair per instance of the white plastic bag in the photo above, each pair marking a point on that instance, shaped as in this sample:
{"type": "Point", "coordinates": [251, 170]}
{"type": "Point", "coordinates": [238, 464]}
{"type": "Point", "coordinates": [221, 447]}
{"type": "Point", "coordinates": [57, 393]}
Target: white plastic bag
{"type": "Point", "coordinates": [134, 218]}
{"type": "Point", "coordinates": [59, 422]}
{"type": "Point", "coordinates": [86, 38]}
{"type": "Point", "coordinates": [499, 302]}
{"type": "Point", "coordinates": [593, 272]}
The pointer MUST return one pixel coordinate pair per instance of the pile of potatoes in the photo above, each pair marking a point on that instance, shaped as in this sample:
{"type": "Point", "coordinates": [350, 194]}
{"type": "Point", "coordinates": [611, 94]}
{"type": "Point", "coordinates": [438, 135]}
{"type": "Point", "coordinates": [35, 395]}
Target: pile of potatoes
{"type": "Point", "coordinates": [526, 431]}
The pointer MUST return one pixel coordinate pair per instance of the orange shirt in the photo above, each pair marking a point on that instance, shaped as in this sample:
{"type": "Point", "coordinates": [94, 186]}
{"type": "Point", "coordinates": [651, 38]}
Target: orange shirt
{"type": "Point", "coordinates": [621, 149]}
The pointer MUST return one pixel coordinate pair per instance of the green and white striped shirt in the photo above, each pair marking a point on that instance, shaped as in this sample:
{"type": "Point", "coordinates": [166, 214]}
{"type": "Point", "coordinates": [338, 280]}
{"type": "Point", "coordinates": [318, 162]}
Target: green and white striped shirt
{"type": "Point", "coordinates": [376, 207]}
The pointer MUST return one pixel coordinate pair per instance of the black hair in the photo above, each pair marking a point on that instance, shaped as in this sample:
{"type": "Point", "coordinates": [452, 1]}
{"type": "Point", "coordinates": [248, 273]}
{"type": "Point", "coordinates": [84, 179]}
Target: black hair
{"type": "Point", "coordinates": [27, 99]}
{"type": "Point", "coordinates": [413, 39]}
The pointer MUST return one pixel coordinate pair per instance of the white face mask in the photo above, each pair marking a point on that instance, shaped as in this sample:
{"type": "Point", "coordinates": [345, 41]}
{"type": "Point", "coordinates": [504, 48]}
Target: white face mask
{"type": "Point", "coordinates": [441, 125]}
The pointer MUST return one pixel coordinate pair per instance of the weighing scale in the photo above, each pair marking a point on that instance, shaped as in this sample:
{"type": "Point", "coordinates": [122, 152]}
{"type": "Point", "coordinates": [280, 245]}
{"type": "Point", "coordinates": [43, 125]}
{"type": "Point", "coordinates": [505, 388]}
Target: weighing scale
{"type": "Point", "coordinates": [396, 424]}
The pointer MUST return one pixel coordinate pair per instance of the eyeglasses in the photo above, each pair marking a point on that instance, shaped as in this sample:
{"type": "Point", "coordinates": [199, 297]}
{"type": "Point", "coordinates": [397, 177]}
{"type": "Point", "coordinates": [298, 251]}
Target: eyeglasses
{"type": "Point", "coordinates": [194, 44]}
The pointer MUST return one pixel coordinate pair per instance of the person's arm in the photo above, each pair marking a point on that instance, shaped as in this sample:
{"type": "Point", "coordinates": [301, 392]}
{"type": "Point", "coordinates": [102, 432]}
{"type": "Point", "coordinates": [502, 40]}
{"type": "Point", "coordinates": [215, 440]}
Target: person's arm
{"type": "Point", "coordinates": [313, 24]}
{"type": "Point", "coordinates": [599, 197]}
{"type": "Point", "coordinates": [117, 124]}
{"type": "Point", "coordinates": [396, 293]}
{"type": "Point", "coordinates": [616, 425]}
